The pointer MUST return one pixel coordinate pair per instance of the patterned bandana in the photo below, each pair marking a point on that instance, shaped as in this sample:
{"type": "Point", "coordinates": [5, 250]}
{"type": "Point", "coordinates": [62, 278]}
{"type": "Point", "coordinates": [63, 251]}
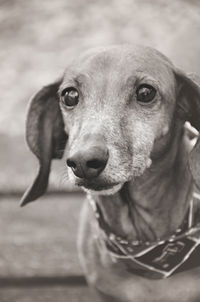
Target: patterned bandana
{"type": "Point", "coordinates": [161, 259]}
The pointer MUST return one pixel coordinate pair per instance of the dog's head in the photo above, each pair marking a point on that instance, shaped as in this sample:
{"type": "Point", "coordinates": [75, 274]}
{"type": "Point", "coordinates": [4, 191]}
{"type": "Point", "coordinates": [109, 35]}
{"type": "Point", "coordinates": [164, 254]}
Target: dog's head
{"type": "Point", "coordinates": [117, 107]}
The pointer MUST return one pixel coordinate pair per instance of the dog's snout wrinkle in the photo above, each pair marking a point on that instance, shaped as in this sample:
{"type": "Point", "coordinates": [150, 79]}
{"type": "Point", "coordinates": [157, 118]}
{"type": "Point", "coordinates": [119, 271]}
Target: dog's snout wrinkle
{"type": "Point", "coordinates": [88, 162]}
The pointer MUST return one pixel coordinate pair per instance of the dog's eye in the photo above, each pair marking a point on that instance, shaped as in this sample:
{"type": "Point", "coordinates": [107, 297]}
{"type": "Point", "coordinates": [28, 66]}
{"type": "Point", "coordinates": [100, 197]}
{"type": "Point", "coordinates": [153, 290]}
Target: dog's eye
{"type": "Point", "coordinates": [145, 93]}
{"type": "Point", "coordinates": [70, 97]}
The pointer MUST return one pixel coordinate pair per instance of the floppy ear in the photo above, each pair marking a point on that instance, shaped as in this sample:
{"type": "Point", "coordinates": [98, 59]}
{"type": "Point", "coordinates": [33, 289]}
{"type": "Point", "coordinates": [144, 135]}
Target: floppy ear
{"type": "Point", "coordinates": [45, 136]}
{"type": "Point", "coordinates": [189, 102]}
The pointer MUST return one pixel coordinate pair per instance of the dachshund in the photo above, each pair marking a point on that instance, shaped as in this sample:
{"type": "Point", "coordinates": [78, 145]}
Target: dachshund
{"type": "Point", "coordinates": [120, 112]}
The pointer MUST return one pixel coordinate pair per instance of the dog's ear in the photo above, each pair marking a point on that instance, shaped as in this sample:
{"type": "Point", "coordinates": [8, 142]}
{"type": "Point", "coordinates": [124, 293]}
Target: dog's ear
{"type": "Point", "coordinates": [189, 106]}
{"type": "Point", "coordinates": [45, 136]}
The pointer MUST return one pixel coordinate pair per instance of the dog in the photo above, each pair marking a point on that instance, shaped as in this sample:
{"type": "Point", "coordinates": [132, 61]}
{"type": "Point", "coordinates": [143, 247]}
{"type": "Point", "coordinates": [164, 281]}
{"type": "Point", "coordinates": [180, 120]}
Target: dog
{"type": "Point", "coordinates": [122, 110]}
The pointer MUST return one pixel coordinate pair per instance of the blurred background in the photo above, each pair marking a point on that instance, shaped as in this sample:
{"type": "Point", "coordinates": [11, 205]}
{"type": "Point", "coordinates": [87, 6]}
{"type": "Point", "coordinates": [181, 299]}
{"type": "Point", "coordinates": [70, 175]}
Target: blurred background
{"type": "Point", "coordinates": [38, 258]}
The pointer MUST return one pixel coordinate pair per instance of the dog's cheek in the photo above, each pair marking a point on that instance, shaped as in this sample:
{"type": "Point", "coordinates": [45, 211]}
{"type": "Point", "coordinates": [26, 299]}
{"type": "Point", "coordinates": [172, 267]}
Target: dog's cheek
{"type": "Point", "coordinates": [72, 126]}
{"type": "Point", "coordinates": [119, 166]}
{"type": "Point", "coordinates": [143, 141]}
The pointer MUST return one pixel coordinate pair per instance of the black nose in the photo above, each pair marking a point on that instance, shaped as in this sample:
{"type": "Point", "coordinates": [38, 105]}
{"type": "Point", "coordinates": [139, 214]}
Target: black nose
{"type": "Point", "coordinates": [88, 163]}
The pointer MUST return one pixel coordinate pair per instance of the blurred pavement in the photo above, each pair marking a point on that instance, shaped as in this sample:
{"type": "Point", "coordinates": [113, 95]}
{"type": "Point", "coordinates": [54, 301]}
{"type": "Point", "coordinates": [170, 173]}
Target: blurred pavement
{"type": "Point", "coordinates": [38, 253]}
{"type": "Point", "coordinates": [40, 239]}
{"type": "Point", "coordinates": [47, 294]}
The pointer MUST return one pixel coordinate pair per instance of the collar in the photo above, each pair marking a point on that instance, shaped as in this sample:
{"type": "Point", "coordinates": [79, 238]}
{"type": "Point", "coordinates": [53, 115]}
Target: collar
{"type": "Point", "coordinates": [159, 259]}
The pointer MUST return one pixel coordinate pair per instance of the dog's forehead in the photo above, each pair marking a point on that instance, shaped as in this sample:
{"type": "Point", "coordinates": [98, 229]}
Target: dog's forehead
{"type": "Point", "coordinates": [123, 62]}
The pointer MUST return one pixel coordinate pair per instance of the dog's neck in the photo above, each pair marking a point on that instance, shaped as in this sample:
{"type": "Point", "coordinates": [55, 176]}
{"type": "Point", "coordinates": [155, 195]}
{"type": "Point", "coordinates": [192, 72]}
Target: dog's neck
{"type": "Point", "coordinates": [153, 206]}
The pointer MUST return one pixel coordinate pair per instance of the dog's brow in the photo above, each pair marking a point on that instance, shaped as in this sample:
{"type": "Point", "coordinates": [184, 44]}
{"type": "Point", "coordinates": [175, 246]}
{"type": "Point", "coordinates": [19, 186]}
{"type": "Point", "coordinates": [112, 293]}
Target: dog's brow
{"type": "Point", "coordinates": [78, 81]}
{"type": "Point", "coordinates": [81, 79]}
{"type": "Point", "coordinates": [140, 77]}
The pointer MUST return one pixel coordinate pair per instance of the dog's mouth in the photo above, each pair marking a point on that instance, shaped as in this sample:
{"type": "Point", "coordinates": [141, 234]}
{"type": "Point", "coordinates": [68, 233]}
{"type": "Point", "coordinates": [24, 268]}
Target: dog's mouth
{"type": "Point", "coordinates": [99, 187]}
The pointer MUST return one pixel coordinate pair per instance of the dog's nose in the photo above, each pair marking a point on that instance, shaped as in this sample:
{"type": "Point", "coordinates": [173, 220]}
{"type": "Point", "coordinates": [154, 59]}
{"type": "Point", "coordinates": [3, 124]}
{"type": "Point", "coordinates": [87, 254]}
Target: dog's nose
{"type": "Point", "coordinates": [88, 163]}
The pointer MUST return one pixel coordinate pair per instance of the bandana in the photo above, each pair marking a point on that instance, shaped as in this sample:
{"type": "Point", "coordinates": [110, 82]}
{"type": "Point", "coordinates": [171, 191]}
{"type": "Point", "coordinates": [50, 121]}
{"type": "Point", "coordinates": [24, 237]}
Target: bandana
{"type": "Point", "coordinates": [161, 259]}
